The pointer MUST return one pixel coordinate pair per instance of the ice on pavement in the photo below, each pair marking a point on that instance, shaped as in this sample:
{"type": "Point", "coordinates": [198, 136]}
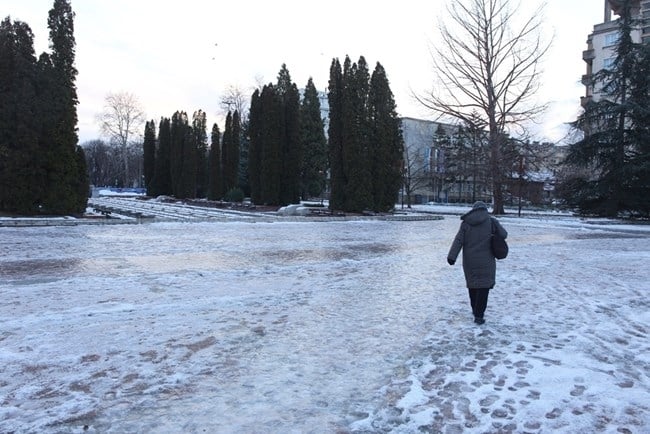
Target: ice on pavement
{"type": "Point", "coordinates": [357, 327]}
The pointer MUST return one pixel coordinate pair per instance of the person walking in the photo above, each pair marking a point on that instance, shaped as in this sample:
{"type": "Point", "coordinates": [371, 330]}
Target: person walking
{"type": "Point", "coordinates": [479, 264]}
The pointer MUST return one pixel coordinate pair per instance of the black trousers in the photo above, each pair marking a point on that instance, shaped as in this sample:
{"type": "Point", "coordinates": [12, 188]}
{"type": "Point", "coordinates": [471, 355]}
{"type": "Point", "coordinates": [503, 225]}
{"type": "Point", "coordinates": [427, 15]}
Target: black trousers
{"type": "Point", "coordinates": [478, 299]}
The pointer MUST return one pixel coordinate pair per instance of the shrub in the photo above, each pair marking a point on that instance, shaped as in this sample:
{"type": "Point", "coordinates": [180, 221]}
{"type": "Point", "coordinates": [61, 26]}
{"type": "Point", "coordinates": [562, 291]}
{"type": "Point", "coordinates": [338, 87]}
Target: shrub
{"type": "Point", "coordinates": [234, 195]}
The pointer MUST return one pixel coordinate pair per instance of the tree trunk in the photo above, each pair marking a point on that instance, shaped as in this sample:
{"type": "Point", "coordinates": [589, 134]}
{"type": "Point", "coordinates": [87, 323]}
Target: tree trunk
{"type": "Point", "coordinates": [125, 156]}
{"type": "Point", "coordinates": [495, 172]}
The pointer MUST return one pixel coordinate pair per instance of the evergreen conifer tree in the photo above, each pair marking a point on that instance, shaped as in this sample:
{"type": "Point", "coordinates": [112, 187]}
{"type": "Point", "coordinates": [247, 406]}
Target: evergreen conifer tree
{"type": "Point", "coordinates": [255, 148]}
{"type": "Point", "coordinates": [20, 173]}
{"type": "Point", "coordinates": [188, 178]}
{"type": "Point", "coordinates": [200, 138]}
{"type": "Point", "coordinates": [229, 156]}
{"type": "Point", "coordinates": [161, 182]}
{"type": "Point", "coordinates": [244, 146]}
{"type": "Point", "coordinates": [365, 140]}
{"type": "Point", "coordinates": [638, 171]}
{"type": "Point", "coordinates": [313, 144]}
{"type": "Point", "coordinates": [271, 146]}
{"type": "Point", "coordinates": [149, 154]}
{"type": "Point", "coordinates": [291, 153]}
{"type": "Point", "coordinates": [235, 148]}
{"type": "Point", "coordinates": [356, 131]}
{"type": "Point", "coordinates": [444, 165]}
{"type": "Point", "coordinates": [178, 152]}
{"type": "Point", "coordinates": [82, 183]}
{"type": "Point", "coordinates": [335, 136]}
{"type": "Point", "coordinates": [387, 143]}
{"type": "Point", "coordinates": [58, 104]}
{"type": "Point", "coordinates": [614, 150]}
{"type": "Point", "coordinates": [215, 190]}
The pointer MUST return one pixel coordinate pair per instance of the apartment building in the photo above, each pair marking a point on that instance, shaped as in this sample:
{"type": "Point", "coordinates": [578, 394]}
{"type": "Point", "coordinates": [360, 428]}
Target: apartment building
{"type": "Point", "coordinates": [427, 165]}
{"type": "Point", "coordinates": [601, 43]}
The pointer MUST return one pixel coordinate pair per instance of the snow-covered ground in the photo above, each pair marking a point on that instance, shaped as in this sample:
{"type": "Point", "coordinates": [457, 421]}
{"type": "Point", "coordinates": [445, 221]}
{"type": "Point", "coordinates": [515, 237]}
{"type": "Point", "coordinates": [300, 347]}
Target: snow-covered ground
{"type": "Point", "coordinates": [322, 327]}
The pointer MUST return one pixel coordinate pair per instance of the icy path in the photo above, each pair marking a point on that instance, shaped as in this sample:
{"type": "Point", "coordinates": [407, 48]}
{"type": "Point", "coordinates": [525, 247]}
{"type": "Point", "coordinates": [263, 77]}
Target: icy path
{"type": "Point", "coordinates": [318, 328]}
{"type": "Point", "coordinates": [565, 348]}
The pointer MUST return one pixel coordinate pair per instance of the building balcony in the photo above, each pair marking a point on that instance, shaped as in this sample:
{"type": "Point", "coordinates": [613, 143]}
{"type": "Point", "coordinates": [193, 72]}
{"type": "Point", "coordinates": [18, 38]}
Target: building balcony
{"type": "Point", "coordinates": [588, 55]}
{"type": "Point", "coordinates": [587, 79]}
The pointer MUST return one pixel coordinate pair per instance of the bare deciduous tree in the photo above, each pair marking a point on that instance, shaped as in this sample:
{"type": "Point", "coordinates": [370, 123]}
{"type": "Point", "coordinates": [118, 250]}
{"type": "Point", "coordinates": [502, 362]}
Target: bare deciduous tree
{"type": "Point", "coordinates": [488, 63]}
{"type": "Point", "coordinates": [122, 122]}
{"type": "Point", "coordinates": [235, 98]}
{"type": "Point", "coordinates": [415, 172]}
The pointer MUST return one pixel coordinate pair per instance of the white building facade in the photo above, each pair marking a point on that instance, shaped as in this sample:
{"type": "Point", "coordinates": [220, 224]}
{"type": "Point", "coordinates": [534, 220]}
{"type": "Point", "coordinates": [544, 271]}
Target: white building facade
{"type": "Point", "coordinates": [601, 43]}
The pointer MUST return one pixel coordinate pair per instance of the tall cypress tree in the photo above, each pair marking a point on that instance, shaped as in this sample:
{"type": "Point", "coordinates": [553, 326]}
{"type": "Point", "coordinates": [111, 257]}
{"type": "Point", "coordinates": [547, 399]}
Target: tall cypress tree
{"type": "Point", "coordinates": [365, 139]}
{"type": "Point", "coordinates": [178, 153]}
{"type": "Point", "coordinates": [244, 145]}
{"type": "Point", "coordinates": [188, 172]}
{"type": "Point", "coordinates": [82, 181]}
{"type": "Point", "coordinates": [161, 182]}
{"type": "Point", "coordinates": [199, 126]}
{"type": "Point", "coordinates": [255, 148]}
{"type": "Point", "coordinates": [20, 173]}
{"type": "Point", "coordinates": [291, 154]}
{"type": "Point", "coordinates": [228, 158]}
{"type": "Point", "coordinates": [387, 143]}
{"type": "Point", "coordinates": [335, 136]}
{"type": "Point", "coordinates": [60, 141]}
{"type": "Point", "coordinates": [149, 154]}
{"type": "Point", "coordinates": [215, 190]}
{"type": "Point", "coordinates": [356, 157]}
{"type": "Point", "coordinates": [235, 148]}
{"type": "Point", "coordinates": [271, 146]}
{"type": "Point", "coordinates": [313, 143]}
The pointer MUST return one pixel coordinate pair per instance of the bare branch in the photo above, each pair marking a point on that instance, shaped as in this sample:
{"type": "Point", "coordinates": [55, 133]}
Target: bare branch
{"type": "Point", "coordinates": [487, 65]}
{"type": "Point", "coordinates": [121, 122]}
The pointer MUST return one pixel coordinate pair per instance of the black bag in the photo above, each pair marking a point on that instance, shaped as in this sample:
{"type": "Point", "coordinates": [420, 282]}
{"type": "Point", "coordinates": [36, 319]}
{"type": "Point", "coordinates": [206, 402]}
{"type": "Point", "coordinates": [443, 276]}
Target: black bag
{"type": "Point", "coordinates": [499, 245]}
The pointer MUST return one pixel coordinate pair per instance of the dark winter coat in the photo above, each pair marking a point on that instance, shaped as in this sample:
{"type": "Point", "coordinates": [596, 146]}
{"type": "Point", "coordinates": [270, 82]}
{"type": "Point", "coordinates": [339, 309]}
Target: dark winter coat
{"type": "Point", "coordinates": [474, 238]}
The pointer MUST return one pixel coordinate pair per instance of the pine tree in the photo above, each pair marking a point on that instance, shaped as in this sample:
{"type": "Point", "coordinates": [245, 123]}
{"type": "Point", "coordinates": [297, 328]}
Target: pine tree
{"type": "Point", "coordinates": [387, 143]}
{"type": "Point", "coordinates": [616, 130]}
{"type": "Point", "coordinates": [313, 143]}
{"type": "Point", "coordinates": [215, 190]}
{"type": "Point", "coordinates": [149, 154]}
{"type": "Point", "coordinates": [444, 172]}
{"type": "Point", "coordinates": [464, 157]}
{"type": "Point", "coordinates": [638, 167]}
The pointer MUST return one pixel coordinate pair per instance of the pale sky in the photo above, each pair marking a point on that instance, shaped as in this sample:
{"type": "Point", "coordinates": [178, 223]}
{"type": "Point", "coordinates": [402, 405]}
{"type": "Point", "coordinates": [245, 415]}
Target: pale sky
{"type": "Point", "coordinates": [182, 55]}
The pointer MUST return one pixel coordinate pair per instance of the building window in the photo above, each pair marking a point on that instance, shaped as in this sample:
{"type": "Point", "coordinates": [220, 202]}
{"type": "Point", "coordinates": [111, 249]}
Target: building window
{"type": "Point", "coordinates": [426, 167]}
{"type": "Point", "coordinates": [611, 39]}
{"type": "Point", "coordinates": [609, 63]}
